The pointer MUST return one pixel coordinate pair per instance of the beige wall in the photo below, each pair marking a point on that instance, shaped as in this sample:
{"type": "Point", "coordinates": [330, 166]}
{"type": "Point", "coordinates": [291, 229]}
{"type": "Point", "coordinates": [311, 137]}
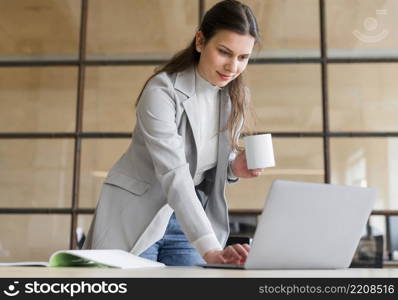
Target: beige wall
{"type": "Point", "coordinates": [36, 173]}
{"type": "Point", "coordinates": [32, 237]}
{"type": "Point", "coordinates": [286, 97]}
{"type": "Point", "coordinates": [140, 28]}
{"type": "Point", "coordinates": [362, 27]}
{"type": "Point", "coordinates": [363, 97]}
{"type": "Point", "coordinates": [39, 28]}
{"type": "Point", "coordinates": [110, 96]}
{"type": "Point", "coordinates": [38, 99]}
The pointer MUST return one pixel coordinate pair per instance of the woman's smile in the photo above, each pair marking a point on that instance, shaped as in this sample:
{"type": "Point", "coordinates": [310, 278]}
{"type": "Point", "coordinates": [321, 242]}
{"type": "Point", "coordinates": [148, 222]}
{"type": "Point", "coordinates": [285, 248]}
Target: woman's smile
{"type": "Point", "coordinates": [224, 77]}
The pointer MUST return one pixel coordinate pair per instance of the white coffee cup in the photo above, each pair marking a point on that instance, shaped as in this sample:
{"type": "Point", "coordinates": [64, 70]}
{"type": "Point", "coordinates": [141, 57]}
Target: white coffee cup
{"type": "Point", "coordinates": [259, 151]}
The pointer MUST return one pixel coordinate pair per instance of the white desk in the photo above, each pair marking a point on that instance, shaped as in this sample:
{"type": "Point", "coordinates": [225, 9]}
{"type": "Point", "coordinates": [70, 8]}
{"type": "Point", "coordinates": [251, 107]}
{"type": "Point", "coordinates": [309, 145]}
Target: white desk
{"type": "Point", "coordinates": [189, 272]}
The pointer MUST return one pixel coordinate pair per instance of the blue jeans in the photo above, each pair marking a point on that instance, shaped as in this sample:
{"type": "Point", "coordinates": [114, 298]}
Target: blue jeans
{"type": "Point", "coordinates": [173, 249]}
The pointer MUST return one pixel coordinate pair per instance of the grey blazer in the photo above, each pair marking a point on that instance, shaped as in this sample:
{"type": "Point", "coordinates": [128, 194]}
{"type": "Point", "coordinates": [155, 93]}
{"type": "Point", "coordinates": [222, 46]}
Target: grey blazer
{"type": "Point", "coordinates": [153, 177]}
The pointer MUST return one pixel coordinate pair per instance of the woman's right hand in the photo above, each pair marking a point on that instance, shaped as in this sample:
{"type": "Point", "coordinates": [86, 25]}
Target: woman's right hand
{"type": "Point", "coordinates": [233, 254]}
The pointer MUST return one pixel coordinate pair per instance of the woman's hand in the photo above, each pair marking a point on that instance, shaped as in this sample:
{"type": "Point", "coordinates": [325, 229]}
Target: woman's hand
{"type": "Point", "coordinates": [239, 167]}
{"type": "Point", "coordinates": [233, 254]}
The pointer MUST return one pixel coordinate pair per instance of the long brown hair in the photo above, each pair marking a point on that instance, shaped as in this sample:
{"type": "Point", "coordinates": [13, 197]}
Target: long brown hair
{"type": "Point", "coordinates": [225, 15]}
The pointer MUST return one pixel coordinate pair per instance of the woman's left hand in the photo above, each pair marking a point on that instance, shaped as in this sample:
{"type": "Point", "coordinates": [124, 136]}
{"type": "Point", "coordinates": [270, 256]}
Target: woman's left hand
{"type": "Point", "coordinates": [239, 167]}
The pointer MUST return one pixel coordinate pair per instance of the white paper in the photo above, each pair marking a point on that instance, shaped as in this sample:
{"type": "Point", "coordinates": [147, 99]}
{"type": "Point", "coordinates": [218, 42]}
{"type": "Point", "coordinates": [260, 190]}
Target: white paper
{"type": "Point", "coordinates": [114, 258]}
{"type": "Point", "coordinates": [259, 151]}
{"type": "Point", "coordinates": [25, 264]}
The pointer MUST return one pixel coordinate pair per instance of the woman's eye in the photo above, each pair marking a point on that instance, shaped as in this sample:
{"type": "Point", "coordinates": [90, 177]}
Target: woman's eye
{"type": "Point", "coordinates": [223, 52]}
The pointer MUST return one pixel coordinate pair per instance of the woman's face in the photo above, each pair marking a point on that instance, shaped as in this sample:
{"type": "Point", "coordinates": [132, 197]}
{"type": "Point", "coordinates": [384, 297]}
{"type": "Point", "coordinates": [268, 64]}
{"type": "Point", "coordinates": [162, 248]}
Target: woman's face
{"type": "Point", "coordinates": [224, 56]}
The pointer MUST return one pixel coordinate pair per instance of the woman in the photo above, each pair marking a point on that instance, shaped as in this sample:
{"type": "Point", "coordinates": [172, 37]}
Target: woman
{"type": "Point", "coordinates": [164, 198]}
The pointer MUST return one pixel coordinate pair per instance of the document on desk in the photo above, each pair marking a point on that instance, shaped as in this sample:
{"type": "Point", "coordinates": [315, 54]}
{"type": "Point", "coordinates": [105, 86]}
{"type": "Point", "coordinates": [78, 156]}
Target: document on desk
{"type": "Point", "coordinates": [101, 258]}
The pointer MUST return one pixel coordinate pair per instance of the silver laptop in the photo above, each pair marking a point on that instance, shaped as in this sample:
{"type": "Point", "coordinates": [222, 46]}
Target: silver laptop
{"type": "Point", "coordinates": [308, 226]}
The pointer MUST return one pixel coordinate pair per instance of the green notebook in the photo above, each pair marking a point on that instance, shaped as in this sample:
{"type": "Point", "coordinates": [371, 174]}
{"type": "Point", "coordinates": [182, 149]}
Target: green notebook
{"type": "Point", "coordinates": [63, 259]}
{"type": "Point", "coordinates": [102, 258]}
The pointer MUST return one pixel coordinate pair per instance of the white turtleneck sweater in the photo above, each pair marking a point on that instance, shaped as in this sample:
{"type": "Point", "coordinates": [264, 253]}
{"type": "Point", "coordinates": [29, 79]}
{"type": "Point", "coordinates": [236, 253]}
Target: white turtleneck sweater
{"type": "Point", "coordinates": [207, 115]}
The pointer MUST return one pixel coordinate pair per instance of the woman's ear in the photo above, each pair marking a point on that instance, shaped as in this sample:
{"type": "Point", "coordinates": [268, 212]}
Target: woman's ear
{"type": "Point", "coordinates": [199, 41]}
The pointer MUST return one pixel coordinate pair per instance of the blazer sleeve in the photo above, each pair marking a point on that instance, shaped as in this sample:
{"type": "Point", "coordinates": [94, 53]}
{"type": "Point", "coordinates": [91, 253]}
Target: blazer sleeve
{"type": "Point", "coordinates": [156, 112]}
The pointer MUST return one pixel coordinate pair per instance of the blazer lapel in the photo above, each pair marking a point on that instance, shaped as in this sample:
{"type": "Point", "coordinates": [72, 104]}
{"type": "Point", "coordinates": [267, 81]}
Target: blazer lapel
{"type": "Point", "coordinates": [223, 144]}
{"type": "Point", "coordinates": [185, 83]}
{"type": "Point", "coordinates": [189, 107]}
